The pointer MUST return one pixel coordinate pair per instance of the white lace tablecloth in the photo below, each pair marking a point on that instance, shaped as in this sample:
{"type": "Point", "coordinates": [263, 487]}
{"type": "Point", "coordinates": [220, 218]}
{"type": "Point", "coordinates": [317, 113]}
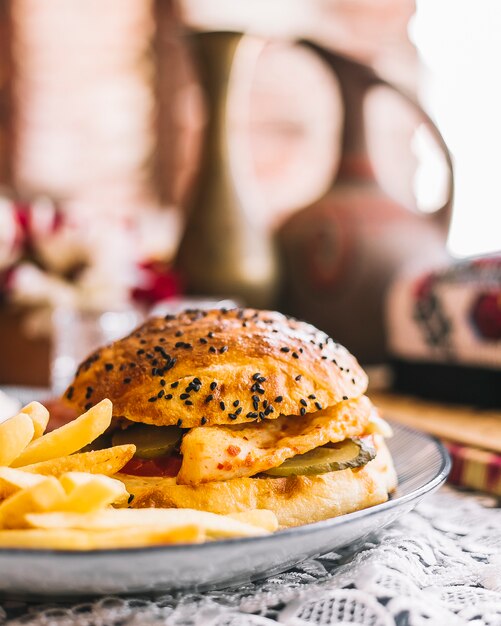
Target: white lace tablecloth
{"type": "Point", "coordinates": [439, 565]}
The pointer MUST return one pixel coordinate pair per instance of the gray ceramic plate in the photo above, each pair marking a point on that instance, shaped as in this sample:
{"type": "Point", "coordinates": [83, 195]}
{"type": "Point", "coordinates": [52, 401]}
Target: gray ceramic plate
{"type": "Point", "coordinates": [422, 465]}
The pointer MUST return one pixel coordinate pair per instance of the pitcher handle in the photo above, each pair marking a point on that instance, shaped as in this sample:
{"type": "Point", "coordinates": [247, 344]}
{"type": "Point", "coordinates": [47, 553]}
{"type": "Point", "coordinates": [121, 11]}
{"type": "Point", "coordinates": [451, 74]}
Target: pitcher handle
{"type": "Point", "coordinates": [371, 79]}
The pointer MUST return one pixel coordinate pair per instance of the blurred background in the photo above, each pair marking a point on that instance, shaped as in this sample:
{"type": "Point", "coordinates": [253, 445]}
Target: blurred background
{"type": "Point", "coordinates": [112, 152]}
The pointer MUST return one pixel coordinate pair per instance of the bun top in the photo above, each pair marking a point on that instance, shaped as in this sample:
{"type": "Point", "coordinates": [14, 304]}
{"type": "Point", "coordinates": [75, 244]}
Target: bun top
{"type": "Point", "coordinates": [218, 367]}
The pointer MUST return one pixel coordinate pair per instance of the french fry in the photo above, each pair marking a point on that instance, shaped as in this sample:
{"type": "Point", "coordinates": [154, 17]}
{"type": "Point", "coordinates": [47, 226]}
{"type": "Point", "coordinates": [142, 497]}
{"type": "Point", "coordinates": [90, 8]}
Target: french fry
{"type": "Point", "coordinates": [47, 495]}
{"type": "Point", "coordinates": [264, 518]}
{"type": "Point", "coordinates": [39, 416]}
{"type": "Point", "coordinates": [87, 540]}
{"type": "Point", "coordinates": [69, 438]}
{"type": "Point", "coordinates": [108, 462]}
{"type": "Point", "coordinates": [15, 434]}
{"type": "Point", "coordinates": [214, 525]}
{"type": "Point", "coordinates": [12, 480]}
{"type": "Point", "coordinates": [90, 492]}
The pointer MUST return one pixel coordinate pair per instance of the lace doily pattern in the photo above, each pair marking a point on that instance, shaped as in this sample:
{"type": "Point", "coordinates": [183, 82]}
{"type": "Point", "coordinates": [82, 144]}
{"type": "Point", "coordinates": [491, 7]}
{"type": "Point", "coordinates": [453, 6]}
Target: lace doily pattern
{"type": "Point", "coordinates": [438, 566]}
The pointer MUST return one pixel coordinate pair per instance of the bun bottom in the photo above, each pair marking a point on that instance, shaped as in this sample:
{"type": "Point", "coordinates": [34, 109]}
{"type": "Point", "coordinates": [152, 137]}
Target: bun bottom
{"type": "Point", "coordinates": [295, 500]}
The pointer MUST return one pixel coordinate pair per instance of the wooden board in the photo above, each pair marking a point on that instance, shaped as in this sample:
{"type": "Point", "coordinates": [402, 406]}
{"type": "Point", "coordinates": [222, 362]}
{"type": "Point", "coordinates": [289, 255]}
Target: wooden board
{"type": "Point", "coordinates": [469, 426]}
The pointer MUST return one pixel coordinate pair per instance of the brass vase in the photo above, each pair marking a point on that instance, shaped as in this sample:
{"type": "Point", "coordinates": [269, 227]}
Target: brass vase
{"type": "Point", "coordinates": [224, 251]}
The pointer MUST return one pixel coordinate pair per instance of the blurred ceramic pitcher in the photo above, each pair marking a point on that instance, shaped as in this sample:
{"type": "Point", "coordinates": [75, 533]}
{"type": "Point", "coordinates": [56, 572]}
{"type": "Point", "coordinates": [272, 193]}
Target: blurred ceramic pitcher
{"type": "Point", "coordinates": [340, 254]}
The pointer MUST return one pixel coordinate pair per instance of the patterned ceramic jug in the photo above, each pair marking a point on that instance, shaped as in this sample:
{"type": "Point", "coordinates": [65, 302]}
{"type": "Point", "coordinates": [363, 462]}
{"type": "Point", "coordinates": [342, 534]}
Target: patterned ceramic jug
{"type": "Point", "coordinates": [340, 254]}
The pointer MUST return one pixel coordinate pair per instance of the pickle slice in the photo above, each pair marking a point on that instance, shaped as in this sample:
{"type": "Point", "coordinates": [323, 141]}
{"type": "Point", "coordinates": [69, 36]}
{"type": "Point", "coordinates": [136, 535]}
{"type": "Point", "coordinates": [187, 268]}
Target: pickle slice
{"type": "Point", "coordinates": [332, 457]}
{"type": "Point", "coordinates": [150, 441]}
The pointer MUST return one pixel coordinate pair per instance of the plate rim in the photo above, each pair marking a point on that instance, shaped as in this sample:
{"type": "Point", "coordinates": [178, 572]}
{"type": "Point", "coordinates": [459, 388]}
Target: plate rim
{"type": "Point", "coordinates": [438, 480]}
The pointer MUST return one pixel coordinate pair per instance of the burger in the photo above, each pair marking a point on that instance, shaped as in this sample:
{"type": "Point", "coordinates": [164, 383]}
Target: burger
{"type": "Point", "coordinates": [232, 410]}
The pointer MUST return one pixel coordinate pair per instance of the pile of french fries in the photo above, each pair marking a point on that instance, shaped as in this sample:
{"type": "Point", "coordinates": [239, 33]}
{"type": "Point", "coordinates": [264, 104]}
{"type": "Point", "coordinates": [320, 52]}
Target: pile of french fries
{"type": "Point", "coordinates": [52, 496]}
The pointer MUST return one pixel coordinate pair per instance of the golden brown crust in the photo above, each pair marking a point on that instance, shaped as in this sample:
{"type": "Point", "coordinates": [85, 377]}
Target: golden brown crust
{"type": "Point", "coordinates": [218, 367]}
{"type": "Point", "coordinates": [295, 500]}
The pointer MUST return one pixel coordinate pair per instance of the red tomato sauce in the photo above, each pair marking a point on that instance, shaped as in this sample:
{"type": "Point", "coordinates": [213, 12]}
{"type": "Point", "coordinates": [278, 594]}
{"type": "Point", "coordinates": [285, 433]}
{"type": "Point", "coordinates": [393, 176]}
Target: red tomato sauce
{"type": "Point", "coordinates": [162, 466]}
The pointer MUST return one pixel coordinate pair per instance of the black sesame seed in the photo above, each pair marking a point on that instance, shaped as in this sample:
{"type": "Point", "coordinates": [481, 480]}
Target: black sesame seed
{"type": "Point", "coordinates": [183, 396]}
{"type": "Point", "coordinates": [174, 385]}
{"type": "Point", "coordinates": [127, 381]}
{"type": "Point", "coordinates": [261, 379]}
{"type": "Point", "coordinates": [295, 355]}
{"type": "Point", "coordinates": [236, 403]}
{"type": "Point", "coordinates": [179, 422]}
{"type": "Point", "coordinates": [162, 382]}
{"type": "Point", "coordinates": [213, 385]}
{"type": "Point", "coordinates": [154, 371]}
{"type": "Point", "coordinates": [222, 406]}
{"type": "Point", "coordinates": [324, 358]}
{"type": "Point", "coordinates": [303, 402]}
{"type": "Point", "coordinates": [256, 376]}
{"type": "Point", "coordinates": [334, 361]}
{"type": "Point", "coordinates": [188, 403]}
{"type": "Point", "coordinates": [318, 405]}
{"type": "Point", "coordinates": [139, 352]}
{"type": "Point", "coordinates": [301, 350]}
{"type": "Point", "coordinates": [152, 399]}
{"type": "Point", "coordinates": [154, 362]}
{"type": "Point", "coordinates": [168, 396]}
{"type": "Point", "coordinates": [169, 317]}
{"type": "Point", "coordinates": [108, 367]}
{"type": "Point", "coordinates": [285, 349]}
{"type": "Point", "coordinates": [265, 403]}
{"type": "Point", "coordinates": [179, 333]}
{"type": "Point", "coordinates": [130, 498]}
{"type": "Point", "coordinates": [262, 415]}
{"type": "Point", "coordinates": [179, 344]}
{"type": "Point", "coordinates": [203, 421]}
{"type": "Point", "coordinates": [279, 399]}
{"type": "Point", "coordinates": [142, 341]}
{"type": "Point", "coordinates": [202, 340]}
{"type": "Point", "coordinates": [209, 398]}
{"type": "Point", "coordinates": [312, 396]}
{"type": "Point", "coordinates": [88, 406]}
{"type": "Point", "coordinates": [353, 381]}
{"type": "Point", "coordinates": [212, 350]}
{"type": "Point", "coordinates": [223, 349]}
{"type": "Point", "coordinates": [69, 393]}
{"type": "Point", "coordinates": [210, 334]}
{"type": "Point", "coordinates": [197, 381]}
{"type": "Point", "coordinates": [160, 393]}
{"type": "Point", "coordinates": [345, 397]}
{"type": "Point", "coordinates": [268, 410]}
{"type": "Point", "coordinates": [298, 377]}
{"type": "Point", "coordinates": [303, 411]}
{"type": "Point", "coordinates": [132, 364]}
{"type": "Point", "coordinates": [232, 416]}
{"type": "Point", "coordinates": [251, 415]}
{"type": "Point", "coordinates": [238, 411]}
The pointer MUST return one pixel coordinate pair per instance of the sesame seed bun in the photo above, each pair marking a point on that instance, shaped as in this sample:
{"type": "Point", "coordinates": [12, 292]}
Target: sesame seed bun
{"type": "Point", "coordinates": [218, 367]}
